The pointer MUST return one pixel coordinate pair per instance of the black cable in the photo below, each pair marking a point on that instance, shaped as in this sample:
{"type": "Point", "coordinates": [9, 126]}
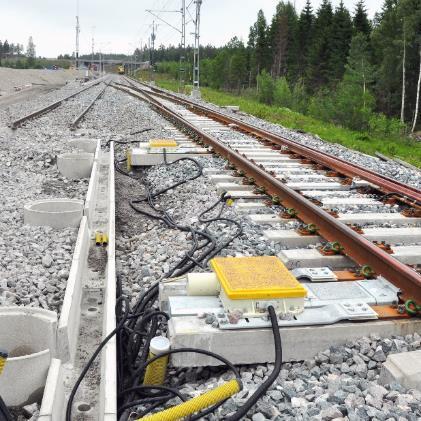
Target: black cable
{"type": "Point", "coordinates": [142, 324]}
{"type": "Point", "coordinates": [261, 390]}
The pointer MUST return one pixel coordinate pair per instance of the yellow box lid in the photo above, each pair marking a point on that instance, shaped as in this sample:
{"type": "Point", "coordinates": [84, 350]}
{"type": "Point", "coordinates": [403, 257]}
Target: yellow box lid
{"type": "Point", "coordinates": [162, 143]}
{"type": "Point", "coordinates": [262, 277]}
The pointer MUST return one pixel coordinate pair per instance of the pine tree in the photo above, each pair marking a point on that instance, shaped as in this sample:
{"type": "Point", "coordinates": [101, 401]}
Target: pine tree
{"type": "Point", "coordinates": [237, 70]}
{"type": "Point", "coordinates": [361, 22]}
{"type": "Point", "coordinates": [304, 37]}
{"type": "Point", "coordinates": [283, 40]}
{"type": "Point", "coordinates": [30, 52]}
{"type": "Point", "coordinates": [397, 31]}
{"type": "Point", "coordinates": [251, 55]}
{"type": "Point", "coordinates": [6, 48]}
{"type": "Point", "coordinates": [319, 71]}
{"type": "Point", "coordinates": [355, 102]}
{"type": "Point", "coordinates": [340, 41]}
{"type": "Point", "coordinates": [258, 47]}
{"type": "Point", "coordinates": [385, 54]}
{"type": "Point", "coordinates": [261, 43]}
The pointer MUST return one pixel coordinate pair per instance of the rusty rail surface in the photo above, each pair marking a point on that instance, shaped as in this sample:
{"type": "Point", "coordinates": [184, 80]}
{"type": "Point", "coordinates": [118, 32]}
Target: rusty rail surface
{"type": "Point", "coordinates": [386, 184]}
{"type": "Point", "coordinates": [74, 124]}
{"type": "Point", "coordinates": [17, 123]}
{"type": "Point", "coordinates": [359, 249]}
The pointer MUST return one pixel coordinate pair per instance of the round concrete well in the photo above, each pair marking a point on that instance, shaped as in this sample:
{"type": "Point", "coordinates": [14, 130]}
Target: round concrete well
{"type": "Point", "coordinates": [75, 165]}
{"type": "Point", "coordinates": [55, 213]}
{"type": "Point", "coordinates": [28, 335]}
{"type": "Point", "coordinates": [85, 145]}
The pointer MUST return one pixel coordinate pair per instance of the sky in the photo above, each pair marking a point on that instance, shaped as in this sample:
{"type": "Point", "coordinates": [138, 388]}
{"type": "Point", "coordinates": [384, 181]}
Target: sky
{"type": "Point", "coordinates": [51, 23]}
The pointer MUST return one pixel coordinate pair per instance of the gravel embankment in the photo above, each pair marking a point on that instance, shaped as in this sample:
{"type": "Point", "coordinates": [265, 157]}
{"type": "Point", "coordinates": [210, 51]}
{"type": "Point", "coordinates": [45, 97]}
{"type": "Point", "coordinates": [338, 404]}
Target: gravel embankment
{"type": "Point", "coordinates": [35, 261]}
{"type": "Point", "coordinates": [10, 79]}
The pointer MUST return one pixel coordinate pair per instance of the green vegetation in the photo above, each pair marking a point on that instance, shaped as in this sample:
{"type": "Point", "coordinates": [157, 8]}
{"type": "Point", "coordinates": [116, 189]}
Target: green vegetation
{"type": "Point", "coordinates": [367, 142]}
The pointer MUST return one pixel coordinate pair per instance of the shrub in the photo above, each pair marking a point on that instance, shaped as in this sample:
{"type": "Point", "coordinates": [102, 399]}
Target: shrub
{"type": "Point", "coordinates": [299, 100]}
{"type": "Point", "coordinates": [282, 96]}
{"type": "Point", "coordinates": [265, 85]}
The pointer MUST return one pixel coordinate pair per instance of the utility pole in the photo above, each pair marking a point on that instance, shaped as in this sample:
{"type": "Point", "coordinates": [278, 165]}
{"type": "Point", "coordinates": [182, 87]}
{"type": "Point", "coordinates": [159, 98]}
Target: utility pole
{"type": "Point", "coordinates": [77, 37]}
{"type": "Point", "coordinates": [93, 50]}
{"type": "Point", "coordinates": [151, 50]}
{"type": "Point", "coordinates": [182, 31]}
{"type": "Point", "coordinates": [182, 67]}
{"type": "Point", "coordinates": [196, 57]}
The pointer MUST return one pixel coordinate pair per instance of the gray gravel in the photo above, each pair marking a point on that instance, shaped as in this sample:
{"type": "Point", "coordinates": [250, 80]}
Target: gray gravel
{"type": "Point", "coordinates": [341, 383]}
{"type": "Point", "coordinates": [35, 261]}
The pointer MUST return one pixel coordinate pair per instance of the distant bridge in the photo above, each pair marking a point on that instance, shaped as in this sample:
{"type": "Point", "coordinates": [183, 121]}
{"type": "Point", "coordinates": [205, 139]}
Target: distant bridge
{"type": "Point", "coordinates": [113, 62]}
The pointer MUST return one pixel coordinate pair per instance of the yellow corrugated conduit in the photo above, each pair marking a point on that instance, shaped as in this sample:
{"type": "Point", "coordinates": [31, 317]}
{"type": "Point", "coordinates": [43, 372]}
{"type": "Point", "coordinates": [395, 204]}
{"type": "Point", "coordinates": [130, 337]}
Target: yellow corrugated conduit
{"type": "Point", "coordinates": [197, 404]}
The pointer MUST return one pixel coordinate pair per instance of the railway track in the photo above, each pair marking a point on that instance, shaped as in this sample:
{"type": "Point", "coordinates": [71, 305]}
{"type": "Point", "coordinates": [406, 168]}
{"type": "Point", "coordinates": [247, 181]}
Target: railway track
{"type": "Point", "coordinates": [50, 107]}
{"type": "Point", "coordinates": [287, 204]}
{"type": "Point", "coordinates": [267, 162]}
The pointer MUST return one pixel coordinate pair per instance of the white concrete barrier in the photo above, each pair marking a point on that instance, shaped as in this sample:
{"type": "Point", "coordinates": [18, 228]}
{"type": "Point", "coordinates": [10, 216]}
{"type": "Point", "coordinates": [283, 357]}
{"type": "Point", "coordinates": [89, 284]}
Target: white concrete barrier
{"type": "Point", "coordinates": [91, 195]}
{"type": "Point", "coordinates": [68, 325]}
{"type": "Point", "coordinates": [108, 387]}
{"type": "Point", "coordinates": [75, 165]}
{"type": "Point", "coordinates": [29, 336]}
{"type": "Point", "coordinates": [52, 407]}
{"type": "Point", "coordinates": [55, 213]}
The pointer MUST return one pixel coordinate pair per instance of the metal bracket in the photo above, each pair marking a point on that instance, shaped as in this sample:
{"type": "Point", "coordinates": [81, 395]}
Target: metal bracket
{"type": "Point", "coordinates": [323, 274]}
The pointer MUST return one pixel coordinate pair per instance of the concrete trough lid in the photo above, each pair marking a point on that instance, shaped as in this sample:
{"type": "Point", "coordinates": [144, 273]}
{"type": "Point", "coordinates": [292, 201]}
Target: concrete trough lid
{"type": "Point", "coordinates": [55, 213]}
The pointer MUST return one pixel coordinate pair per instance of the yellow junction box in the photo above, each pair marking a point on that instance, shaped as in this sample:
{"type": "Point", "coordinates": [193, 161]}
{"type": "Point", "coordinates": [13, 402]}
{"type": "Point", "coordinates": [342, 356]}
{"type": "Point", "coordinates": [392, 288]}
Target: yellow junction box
{"type": "Point", "coordinates": [162, 143]}
{"type": "Point", "coordinates": [250, 284]}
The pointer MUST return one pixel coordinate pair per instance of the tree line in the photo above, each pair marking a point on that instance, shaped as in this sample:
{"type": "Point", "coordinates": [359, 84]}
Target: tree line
{"type": "Point", "coordinates": [14, 55]}
{"type": "Point", "coordinates": [332, 63]}
{"type": "Point", "coordinates": [10, 50]}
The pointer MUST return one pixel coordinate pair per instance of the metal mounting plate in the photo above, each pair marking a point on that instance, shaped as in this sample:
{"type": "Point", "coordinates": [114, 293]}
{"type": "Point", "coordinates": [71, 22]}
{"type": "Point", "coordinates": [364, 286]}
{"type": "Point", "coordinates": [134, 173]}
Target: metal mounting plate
{"type": "Point", "coordinates": [323, 274]}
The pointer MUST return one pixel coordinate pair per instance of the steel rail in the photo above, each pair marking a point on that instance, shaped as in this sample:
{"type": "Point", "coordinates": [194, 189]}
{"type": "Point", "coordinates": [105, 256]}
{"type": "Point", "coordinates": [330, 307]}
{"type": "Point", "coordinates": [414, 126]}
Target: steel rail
{"type": "Point", "coordinates": [17, 123]}
{"type": "Point", "coordinates": [74, 124]}
{"type": "Point", "coordinates": [359, 249]}
{"type": "Point", "coordinates": [386, 184]}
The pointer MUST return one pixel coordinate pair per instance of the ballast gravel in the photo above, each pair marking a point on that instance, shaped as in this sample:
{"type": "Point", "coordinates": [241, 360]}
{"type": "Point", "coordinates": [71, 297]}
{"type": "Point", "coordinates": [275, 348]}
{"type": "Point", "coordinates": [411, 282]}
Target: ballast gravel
{"type": "Point", "coordinates": [35, 261]}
